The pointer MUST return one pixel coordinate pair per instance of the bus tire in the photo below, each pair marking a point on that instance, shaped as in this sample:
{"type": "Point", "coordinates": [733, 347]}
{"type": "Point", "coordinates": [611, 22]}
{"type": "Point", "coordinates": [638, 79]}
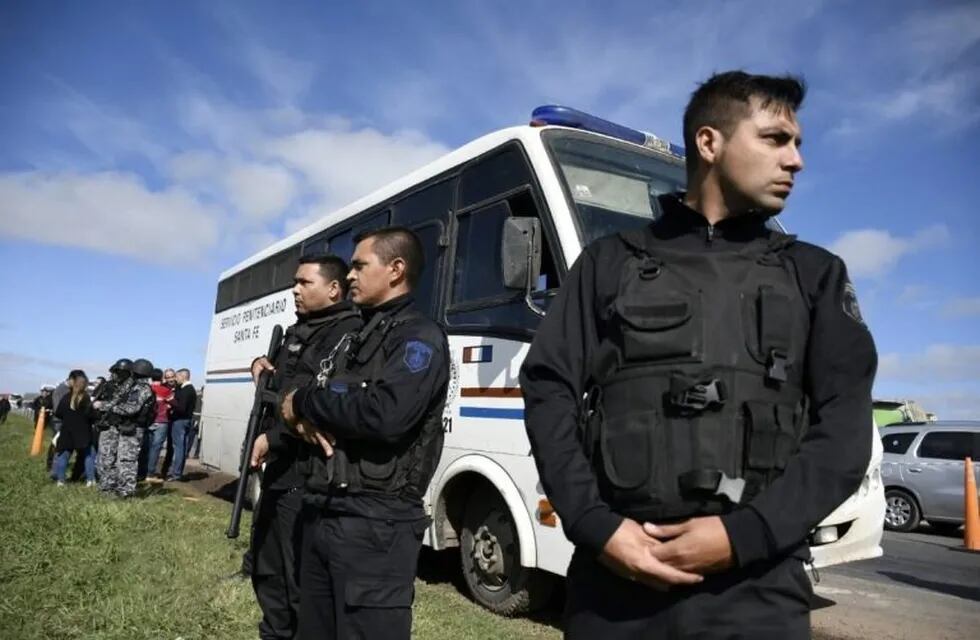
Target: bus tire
{"type": "Point", "coordinates": [490, 557]}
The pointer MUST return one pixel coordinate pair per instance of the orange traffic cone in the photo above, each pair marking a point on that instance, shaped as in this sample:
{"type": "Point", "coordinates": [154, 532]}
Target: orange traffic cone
{"type": "Point", "coordinates": [971, 532]}
{"type": "Point", "coordinates": [38, 434]}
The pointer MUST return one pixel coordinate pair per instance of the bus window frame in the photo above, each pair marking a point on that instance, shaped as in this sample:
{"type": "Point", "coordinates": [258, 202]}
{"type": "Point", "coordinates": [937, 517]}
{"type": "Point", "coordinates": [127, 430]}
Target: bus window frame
{"type": "Point", "coordinates": [546, 134]}
{"type": "Point", "coordinates": [550, 236]}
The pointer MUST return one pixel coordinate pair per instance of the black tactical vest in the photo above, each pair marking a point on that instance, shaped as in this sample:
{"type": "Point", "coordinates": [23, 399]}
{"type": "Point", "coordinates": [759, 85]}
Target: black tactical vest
{"type": "Point", "coordinates": [698, 399]}
{"type": "Point", "coordinates": [148, 411]}
{"type": "Point", "coordinates": [403, 469]}
{"type": "Point", "coordinates": [298, 363]}
{"type": "Point", "coordinates": [296, 366]}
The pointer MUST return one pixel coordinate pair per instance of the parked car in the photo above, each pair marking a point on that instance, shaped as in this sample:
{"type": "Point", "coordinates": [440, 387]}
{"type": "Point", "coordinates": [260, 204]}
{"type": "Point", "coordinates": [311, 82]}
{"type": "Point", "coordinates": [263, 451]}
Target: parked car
{"type": "Point", "coordinates": [922, 469]}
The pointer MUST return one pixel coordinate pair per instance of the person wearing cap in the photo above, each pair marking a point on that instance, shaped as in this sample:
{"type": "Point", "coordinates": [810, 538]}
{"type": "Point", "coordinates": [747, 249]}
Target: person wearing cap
{"type": "Point", "coordinates": [126, 415]}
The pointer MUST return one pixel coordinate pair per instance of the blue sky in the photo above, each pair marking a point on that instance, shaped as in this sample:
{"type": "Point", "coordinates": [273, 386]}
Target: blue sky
{"type": "Point", "coordinates": [148, 146]}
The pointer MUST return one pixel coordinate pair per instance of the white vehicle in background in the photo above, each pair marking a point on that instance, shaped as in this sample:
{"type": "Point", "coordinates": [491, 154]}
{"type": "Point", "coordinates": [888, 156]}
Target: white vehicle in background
{"type": "Point", "coordinates": [501, 219]}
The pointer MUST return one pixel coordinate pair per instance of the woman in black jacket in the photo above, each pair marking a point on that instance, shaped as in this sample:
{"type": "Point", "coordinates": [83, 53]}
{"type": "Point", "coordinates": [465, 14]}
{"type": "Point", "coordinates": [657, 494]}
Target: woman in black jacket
{"type": "Point", "coordinates": [77, 415]}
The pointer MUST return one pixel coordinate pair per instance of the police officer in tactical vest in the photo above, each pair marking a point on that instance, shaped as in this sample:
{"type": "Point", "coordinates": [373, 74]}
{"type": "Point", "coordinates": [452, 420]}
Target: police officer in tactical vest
{"type": "Point", "coordinates": [125, 416]}
{"type": "Point", "coordinates": [378, 405]}
{"type": "Point", "coordinates": [323, 316]}
{"type": "Point", "coordinates": [699, 396]}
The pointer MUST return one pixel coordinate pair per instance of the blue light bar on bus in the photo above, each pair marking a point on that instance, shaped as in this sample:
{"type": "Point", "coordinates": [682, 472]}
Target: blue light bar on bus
{"type": "Point", "coordinates": [567, 117]}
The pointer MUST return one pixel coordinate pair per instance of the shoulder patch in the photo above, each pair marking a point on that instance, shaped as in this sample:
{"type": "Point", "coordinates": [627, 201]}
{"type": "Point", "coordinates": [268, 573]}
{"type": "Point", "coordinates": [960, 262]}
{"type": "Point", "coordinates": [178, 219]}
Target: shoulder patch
{"type": "Point", "coordinates": [418, 355]}
{"type": "Point", "coordinates": [850, 304]}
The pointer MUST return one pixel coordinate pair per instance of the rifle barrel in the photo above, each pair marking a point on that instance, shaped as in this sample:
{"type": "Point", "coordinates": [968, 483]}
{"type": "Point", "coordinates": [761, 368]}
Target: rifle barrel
{"type": "Point", "coordinates": [260, 408]}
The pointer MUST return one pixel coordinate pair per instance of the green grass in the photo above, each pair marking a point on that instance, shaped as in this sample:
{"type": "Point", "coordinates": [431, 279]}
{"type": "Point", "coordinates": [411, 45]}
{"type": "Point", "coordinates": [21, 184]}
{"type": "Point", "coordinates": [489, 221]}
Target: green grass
{"type": "Point", "coordinates": [74, 564]}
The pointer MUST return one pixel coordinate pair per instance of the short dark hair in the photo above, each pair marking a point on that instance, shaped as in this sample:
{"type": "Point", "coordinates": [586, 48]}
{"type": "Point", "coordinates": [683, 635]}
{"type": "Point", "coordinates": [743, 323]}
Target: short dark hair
{"type": "Point", "coordinates": [398, 242]}
{"type": "Point", "coordinates": [331, 268]}
{"type": "Point", "coordinates": [725, 98]}
{"type": "Point", "coordinates": [157, 375]}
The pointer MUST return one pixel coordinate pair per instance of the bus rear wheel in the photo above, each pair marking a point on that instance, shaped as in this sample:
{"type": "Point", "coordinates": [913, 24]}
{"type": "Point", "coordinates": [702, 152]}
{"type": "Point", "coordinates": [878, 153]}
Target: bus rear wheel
{"type": "Point", "coordinates": [490, 554]}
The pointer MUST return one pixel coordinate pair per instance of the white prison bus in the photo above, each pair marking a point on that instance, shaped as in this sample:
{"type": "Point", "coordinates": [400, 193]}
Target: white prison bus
{"type": "Point", "coordinates": [580, 178]}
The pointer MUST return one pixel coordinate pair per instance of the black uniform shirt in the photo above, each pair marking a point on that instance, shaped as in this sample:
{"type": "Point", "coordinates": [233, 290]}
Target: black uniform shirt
{"type": "Point", "coordinates": [326, 327]}
{"type": "Point", "coordinates": [839, 371]}
{"type": "Point", "coordinates": [411, 382]}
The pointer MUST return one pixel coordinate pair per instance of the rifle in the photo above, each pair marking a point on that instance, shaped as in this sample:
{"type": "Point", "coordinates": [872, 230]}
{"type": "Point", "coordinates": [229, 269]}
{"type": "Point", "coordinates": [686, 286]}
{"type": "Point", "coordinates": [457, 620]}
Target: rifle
{"type": "Point", "coordinates": [265, 400]}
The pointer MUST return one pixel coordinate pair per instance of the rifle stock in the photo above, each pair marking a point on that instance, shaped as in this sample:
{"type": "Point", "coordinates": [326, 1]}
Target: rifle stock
{"type": "Point", "coordinates": [265, 399]}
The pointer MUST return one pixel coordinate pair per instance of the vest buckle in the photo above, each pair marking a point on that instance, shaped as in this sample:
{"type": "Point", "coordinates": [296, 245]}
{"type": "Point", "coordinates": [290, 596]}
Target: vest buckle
{"type": "Point", "coordinates": [776, 365]}
{"type": "Point", "coordinates": [711, 483]}
{"type": "Point", "coordinates": [698, 396]}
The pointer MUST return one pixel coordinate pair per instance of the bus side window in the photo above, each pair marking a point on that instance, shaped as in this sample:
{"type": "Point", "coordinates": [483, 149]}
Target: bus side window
{"type": "Point", "coordinates": [285, 263]}
{"type": "Point", "coordinates": [499, 187]}
{"type": "Point", "coordinates": [316, 245]}
{"type": "Point", "coordinates": [425, 212]}
{"type": "Point", "coordinates": [426, 290]}
{"type": "Point", "coordinates": [226, 294]}
{"type": "Point", "coordinates": [341, 244]}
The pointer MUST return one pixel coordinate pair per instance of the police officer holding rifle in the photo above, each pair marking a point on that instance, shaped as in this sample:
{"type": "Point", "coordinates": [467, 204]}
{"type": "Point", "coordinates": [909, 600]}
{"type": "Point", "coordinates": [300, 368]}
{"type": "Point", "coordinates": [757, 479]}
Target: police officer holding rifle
{"type": "Point", "coordinates": [323, 316]}
{"type": "Point", "coordinates": [379, 405]}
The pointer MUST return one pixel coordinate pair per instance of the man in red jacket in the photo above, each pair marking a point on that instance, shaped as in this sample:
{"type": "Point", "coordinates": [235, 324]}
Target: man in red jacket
{"type": "Point", "coordinates": [157, 433]}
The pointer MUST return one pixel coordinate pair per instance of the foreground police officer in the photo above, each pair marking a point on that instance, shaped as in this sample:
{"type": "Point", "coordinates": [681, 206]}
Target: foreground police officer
{"type": "Point", "coordinates": [379, 402]}
{"type": "Point", "coordinates": [323, 316]}
{"type": "Point", "coordinates": [125, 416]}
{"type": "Point", "coordinates": [698, 397]}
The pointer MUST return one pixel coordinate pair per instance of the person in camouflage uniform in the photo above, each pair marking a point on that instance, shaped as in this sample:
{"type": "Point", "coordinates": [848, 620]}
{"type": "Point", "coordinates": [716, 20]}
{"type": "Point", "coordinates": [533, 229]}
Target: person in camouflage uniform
{"type": "Point", "coordinates": [125, 417]}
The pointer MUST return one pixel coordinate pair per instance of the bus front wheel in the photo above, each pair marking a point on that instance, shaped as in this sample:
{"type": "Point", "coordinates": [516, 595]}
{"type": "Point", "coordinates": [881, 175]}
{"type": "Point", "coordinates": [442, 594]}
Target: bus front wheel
{"type": "Point", "coordinates": [490, 553]}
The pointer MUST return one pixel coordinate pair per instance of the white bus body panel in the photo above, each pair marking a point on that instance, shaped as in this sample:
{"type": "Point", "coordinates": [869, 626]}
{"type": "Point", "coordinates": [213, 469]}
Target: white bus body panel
{"type": "Point", "coordinates": [238, 336]}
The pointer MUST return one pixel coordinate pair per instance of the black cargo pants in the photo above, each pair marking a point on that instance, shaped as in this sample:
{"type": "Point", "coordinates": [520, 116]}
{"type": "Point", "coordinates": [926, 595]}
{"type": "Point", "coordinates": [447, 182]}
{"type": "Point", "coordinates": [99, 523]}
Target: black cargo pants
{"type": "Point", "coordinates": [358, 577]}
{"type": "Point", "coordinates": [276, 544]}
{"type": "Point", "coordinates": [768, 601]}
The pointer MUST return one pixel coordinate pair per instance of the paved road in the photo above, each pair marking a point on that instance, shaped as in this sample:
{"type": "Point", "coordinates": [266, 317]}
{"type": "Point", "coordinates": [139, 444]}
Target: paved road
{"type": "Point", "coordinates": [925, 587]}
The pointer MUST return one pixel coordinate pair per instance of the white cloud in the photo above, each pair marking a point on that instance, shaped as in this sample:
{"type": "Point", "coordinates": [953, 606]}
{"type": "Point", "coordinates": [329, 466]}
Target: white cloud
{"type": "Point", "coordinates": [938, 362]}
{"type": "Point", "coordinates": [23, 373]}
{"type": "Point", "coordinates": [932, 79]}
{"type": "Point", "coordinates": [962, 308]}
{"type": "Point", "coordinates": [285, 78]}
{"type": "Point", "coordinates": [913, 295]}
{"type": "Point", "coordinates": [341, 163]}
{"type": "Point", "coordinates": [194, 166]}
{"type": "Point", "coordinates": [957, 404]}
{"type": "Point", "coordinates": [111, 212]}
{"type": "Point", "coordinates": [260, 191]}
{"type": "Point", "coordinates": [871, 253]}
{"type": "Point", "coordinates": [943, 378]}
{"type": "Point", "coordinates": [249, 169]}
{"type": "Point", "coordinates": [939, 33]}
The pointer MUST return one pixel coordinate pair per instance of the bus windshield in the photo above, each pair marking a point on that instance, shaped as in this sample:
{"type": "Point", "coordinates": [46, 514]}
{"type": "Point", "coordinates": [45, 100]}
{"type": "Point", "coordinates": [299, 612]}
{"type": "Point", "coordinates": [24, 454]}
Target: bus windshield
{"type": "Point", "coordinates": [609, 184]}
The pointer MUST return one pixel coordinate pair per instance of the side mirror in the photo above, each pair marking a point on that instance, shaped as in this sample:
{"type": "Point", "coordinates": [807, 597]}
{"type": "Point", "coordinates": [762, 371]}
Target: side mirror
{"type": "Point", "coordinates": [521, 251]}
{"type": "Point", "coordinates": [520, 256]}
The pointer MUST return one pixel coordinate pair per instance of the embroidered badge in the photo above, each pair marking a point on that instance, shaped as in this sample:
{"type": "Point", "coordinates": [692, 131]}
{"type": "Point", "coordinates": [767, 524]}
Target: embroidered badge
{"type": "Point", "coordinates": [418, 355]}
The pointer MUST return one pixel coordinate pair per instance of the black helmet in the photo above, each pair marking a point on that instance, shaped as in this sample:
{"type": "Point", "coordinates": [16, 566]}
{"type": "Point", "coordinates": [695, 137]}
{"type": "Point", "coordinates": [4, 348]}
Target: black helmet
{"type": "Point", "coordinates": [122, 364]}
{"type": "Point", "coordinates": [142, 368]}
